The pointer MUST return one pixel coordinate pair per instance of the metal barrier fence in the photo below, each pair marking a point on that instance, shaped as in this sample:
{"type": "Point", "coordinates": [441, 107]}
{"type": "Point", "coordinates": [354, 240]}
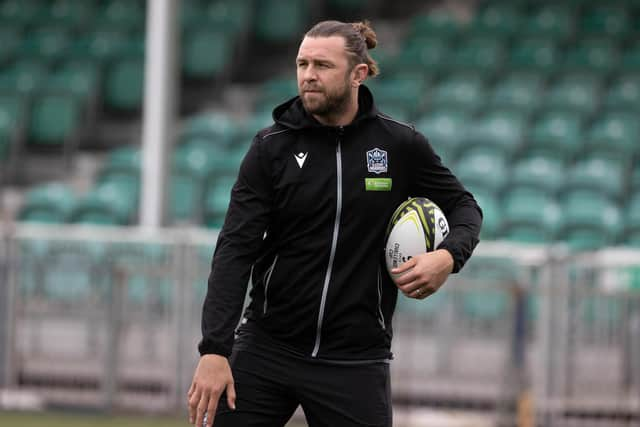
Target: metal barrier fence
{"type": "Point", "coordinates": [109, 319]}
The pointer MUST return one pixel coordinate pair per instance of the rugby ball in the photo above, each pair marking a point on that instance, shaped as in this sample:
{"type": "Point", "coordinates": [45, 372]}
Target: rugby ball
{"type": "Point", "coordinates": [417, 226]}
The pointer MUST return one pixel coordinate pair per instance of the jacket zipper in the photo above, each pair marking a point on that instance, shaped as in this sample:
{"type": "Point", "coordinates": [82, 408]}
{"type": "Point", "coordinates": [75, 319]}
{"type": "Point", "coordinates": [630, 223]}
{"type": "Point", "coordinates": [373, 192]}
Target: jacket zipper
{"type": "Point", "coordinates": [381, 318]}
{"type": "Point", "coordinates": [267, 279]}
{"type": "Point", "coordinates": [334, 244]}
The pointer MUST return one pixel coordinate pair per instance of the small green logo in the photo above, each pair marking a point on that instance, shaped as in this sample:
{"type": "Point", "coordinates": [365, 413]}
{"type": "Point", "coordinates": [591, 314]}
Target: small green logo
{"type": "Point", "coordinates": [377, 184]}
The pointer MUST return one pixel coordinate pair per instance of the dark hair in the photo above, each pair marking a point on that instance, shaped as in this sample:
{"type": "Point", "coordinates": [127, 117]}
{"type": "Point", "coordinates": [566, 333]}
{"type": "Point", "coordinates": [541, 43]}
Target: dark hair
{"type": "Point", "coordinates": [358, 37]}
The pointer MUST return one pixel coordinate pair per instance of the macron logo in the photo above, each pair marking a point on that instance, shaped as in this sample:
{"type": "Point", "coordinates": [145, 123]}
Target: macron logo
{"type": "Point", "coordinates": [300, 158]}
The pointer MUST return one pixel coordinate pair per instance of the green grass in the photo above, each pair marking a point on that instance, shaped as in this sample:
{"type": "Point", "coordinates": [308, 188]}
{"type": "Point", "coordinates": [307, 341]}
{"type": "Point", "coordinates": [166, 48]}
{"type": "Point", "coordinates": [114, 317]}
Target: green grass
{"type": "Point", "coordinates": [59, 419]}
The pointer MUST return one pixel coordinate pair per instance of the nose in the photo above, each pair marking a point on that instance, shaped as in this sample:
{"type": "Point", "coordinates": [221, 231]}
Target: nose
{"type": "Point", "coordinates": [309, 74]}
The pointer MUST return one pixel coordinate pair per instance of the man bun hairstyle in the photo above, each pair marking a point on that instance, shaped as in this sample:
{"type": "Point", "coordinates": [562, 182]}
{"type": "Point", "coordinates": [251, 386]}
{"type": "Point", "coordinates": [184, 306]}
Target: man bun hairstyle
{"type": "Point", "coordinates": [358, 37]}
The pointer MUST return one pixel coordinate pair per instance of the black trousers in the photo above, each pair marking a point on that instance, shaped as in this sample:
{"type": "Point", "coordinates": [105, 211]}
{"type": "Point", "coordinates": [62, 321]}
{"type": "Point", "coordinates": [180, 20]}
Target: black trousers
{"type": "Point", "coordinates": [270, 386]}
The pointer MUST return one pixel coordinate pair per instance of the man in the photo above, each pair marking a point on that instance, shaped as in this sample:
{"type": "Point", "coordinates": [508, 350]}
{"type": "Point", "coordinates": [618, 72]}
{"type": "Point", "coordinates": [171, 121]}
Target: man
{"type": "Point", "coordinates": [306, 227]}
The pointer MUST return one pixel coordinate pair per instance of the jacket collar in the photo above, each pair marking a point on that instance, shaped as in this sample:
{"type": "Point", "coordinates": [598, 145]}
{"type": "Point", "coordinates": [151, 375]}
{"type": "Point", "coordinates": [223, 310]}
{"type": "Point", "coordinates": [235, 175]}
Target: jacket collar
{"type": "Point", "coordinates": [293, 115]}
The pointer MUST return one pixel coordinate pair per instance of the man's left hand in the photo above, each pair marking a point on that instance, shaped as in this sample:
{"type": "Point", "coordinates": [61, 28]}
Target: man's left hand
{"type": "Point", "coordinates": [423, 274]}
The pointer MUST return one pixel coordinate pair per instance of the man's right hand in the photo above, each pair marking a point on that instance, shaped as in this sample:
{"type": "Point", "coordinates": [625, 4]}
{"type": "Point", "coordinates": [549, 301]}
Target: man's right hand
{"type": "Point", "coordinates": [212, 377]}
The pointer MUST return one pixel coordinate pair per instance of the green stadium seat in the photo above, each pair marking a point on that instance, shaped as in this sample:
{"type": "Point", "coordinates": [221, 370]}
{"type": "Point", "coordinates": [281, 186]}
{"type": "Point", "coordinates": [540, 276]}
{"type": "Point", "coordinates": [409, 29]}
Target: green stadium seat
{"type": "Point", "coordinates": [500, 19]}
{"type": "Point", "coordinates": [631, 58]}
{"type": "Point", "coordinates": [109, 203]}
{"type": "Point", "coordinates": [632, 221]}
{"type": "Point", "coordinates": [121, 15]}
{"type": "Point", "coordinates": [634, 181]}
{"type": "Point", "coordinates": [185, 201]}
{"type": "Point", "coordinates": [127, 159]}
{"type": "Point", "coordinates": [235, 16]}
{"type": "Point", "coordinates": [445, 130]}
{"type": "Point", "coordinates": [480, 54]}
{"type": "Point", "coordinates": [557, 133]}
{"type": "Point", "coordinates": [461, 91]}
{"type": "Point", "coordinates": [217, 202]}
{"type": "Point", "coordinates": [504, 130]}
{"type": "Point", "coordinates": [20, 11]}
{"type": "Point", "coordinates": [593, 54]}
{"type": "Point", "coordinates": [537, 171]}
{"type": "Point", "coordinates": [54, 120]}
{"type": "Point", "coordinates": [10, 37]}
{"type": "Point", "coordinates": [280, 21]}
{"type": "Point", "coordinates": [579, 92]}
{"type": "Point", "coordinates": [597, 174]}
{"type": "Point", "coordinates": [623, 94]}
{"type": "Point", "coordinates": [206, 53]}
{"type": "Point", "coordinates": [616, 134]}
{"type": "Point", "coordinates": [518, 91]}
{"type": "Point", "coordinates": [274, 92]}
{"type": "Point", "coordinates": [402, 91]}
{"type": "Point", "coordinates": [605, 20]}
{"type": "Point", "coordinates": [483, 168]}
{"type": "Point", "coordinates": [498, 275]}
{"type": "Point", "coordinates": [217, 128]}
{"type": "Point", "coordinates": [78, 78]}
{"type": "Point", "coordinates": [67, 13]}
{"type": "Point", "coordinates": [124, 83]}
{"type": "Point", "coordinates": [425, 54]}
{"type": "Point", "coordinates": [438, 23]}
{"type": "Point", "coordinates": [100, 45]}
{"type": "Point", "coordinates": [49, 203]}
{"type": "Point", "coordinates": [45, 43]}
{"type": "Point", "coordinates": [529, 215]}
{"type": "Point", "coordinates": [538, 54]}
{"type": "Point", "coordinates": [491, 213]}
{"type": "Point", "coordinates": [347, 6]}
{"type": "Point", "coordinates": [24, 76]}
{"type": "Point", "coordinates": [590, 220]}
{"type": "Point", "coordinates": [552, 20]}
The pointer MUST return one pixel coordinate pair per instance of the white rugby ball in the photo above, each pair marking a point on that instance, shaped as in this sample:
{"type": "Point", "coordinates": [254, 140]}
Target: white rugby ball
{"type": "Point", "coordinates": [417, 226]}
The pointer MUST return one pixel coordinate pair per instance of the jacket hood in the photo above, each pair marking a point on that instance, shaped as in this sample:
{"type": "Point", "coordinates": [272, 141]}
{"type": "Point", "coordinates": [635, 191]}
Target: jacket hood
{"type": "Point", "coordinates": [293, 115]}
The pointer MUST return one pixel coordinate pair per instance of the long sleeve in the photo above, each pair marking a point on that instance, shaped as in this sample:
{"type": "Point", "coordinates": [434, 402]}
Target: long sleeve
{"type": "Point", "coordinates": [436, 182]}
{"type": "Point", "coordinates": [238, 244]}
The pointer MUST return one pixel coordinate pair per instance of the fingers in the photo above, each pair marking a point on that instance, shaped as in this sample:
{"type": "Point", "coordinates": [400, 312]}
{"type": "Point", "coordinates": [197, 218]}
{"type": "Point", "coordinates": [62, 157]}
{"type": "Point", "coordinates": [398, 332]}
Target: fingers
{"type": "Point", "coordinates": [202, 407]}
{"type": "Point", "coordinates": [405, 266]}
{"type": "Point", "coordinates": [194, 398]}
{"type": "Point", "coordinates": [231, 396]}
{"type": "Point", "coordinates": [211, 411]}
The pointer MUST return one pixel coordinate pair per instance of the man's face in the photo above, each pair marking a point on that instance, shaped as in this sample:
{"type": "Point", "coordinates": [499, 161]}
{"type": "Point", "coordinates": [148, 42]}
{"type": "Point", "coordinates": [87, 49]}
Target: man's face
{"type": "Point", "coordinates": [324, 75]}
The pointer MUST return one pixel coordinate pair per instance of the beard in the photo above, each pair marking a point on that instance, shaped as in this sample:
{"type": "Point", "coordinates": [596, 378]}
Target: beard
{"type": "Point", "coordinates": [326, 103]}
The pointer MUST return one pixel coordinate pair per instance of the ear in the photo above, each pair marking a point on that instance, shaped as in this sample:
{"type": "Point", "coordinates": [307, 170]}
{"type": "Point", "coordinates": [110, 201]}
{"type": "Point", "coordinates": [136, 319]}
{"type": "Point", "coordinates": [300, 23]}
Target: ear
{"type": "Point", "coordinates": [359, 74]}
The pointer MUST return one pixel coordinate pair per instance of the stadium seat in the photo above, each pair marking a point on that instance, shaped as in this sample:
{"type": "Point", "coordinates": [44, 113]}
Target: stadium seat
{"type": "Point", "coordinates": [274, 92]}
{"type": "Point", "coordinates": [504, 130]}
{"type": "Point", "coordinates": [217, 201]}
{"type": "Point", "coordinates": [529, 215]}
{"type": "Point", "coordinates": [79, 78]}
{"type": "Point", "coordinates": [518, 91]}
{"type": "Point", "coordinates": [127, 159]}
{"type": "Point", "coordinates": [50, 203]}
{"type": "Point", "coordinates": [539, 54]}
{"type": "Point", "coordinates": [579, 92]}
{"type": "Point", "coordinates": [121, 15]}
{"type": "Point", "coordinates": [499, 19]}
{"type": "Point", "coordinates": [10, 37]}
{"type": "Point", "coordinates": [605, 20]}
{"type": "Point", "coordinates": [206, 53]}
{"type": "Point", "coordinates": [631, 59]}
{"type": "Point", "coordinates": [589, 220]}
{"type": "Point", "coordinates": [55, 120]}
{"type": "Point", "coordinates": [484, 168]}
{"type": "Point", "coordinates": [45, 43]}
{"type": "Point", "coordinates": [632, 221]}
{"type": "Point", "coordinates": [616, 135]}
{"type": "Point", "coordinates": [461, 91]}
{"type": "Point", "coordinates": [552, 20]}
{"type": "Point", "coordinates": [124, 85]}
{"type": "Point", "coordinates": [422, 54]}
{"type": "Point", "coordinates": [280, 21]}
{"type": "Point", "coordinates": [24, 76]}
{"type": "Point", "coordinates": [623, 94]}
{"type": "Point", "coordinates": [216, 128]}
{"type": "Point", "coordinates": [405, 92]}
{"type": "Point", "coordinates": [101, 45]}
{"type": "Point", "coordinates": [557, 133]}
{"type": "Point", "coordinates": [546, 173]}
{"type": "Point", "coordinates": [438, 23]}
{"type": "Point", "coordinates": [234, 16]}
{"type": "Point", "coordinates": [597, 174]}
{"type": "Point", "coordinates": [600, 55]}
{"type": "Point", "coordinates": [67, 13]}
{"type": "Point", "coordinates": [19, 11]}
{"type": "Point", "coordinates": [480, 54]}
{"type": "Point", "coordinates": [445, 130]}
{"type": "Point", "coordinates": [185, 201]}
{"type": "Point", "coordinates": [491, 214]}
{"type": "Point", "coordinates": [109, 203]}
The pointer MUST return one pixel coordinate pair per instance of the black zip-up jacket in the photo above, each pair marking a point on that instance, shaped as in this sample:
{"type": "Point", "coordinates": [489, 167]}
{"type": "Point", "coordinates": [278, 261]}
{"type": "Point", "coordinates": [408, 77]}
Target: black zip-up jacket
{"type": "Point", "coordinates": [303, 224]}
